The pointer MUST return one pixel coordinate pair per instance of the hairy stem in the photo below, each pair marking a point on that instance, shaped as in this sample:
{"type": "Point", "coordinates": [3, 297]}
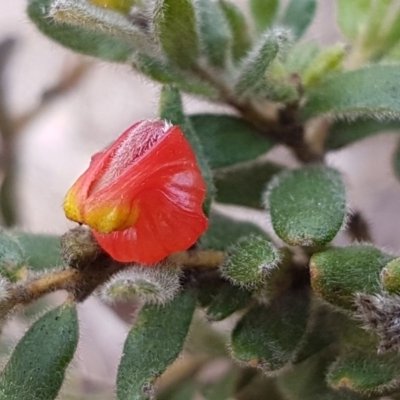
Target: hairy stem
{"type": "Point", "coordinates": [81, 282]}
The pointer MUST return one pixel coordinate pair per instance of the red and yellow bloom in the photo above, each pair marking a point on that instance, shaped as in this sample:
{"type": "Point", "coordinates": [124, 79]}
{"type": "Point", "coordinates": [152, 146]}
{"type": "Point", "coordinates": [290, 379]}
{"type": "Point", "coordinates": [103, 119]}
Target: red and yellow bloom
{"type": "Point", "coordinates": [142, 196]}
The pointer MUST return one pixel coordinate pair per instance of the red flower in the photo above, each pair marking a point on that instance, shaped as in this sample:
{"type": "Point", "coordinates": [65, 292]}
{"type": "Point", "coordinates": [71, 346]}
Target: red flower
{"type": "Point", "coordinates": [142, 196]}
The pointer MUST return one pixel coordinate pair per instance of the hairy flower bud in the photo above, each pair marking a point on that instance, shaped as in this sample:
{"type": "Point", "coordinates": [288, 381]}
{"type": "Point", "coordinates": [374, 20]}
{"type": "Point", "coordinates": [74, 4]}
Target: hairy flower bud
{"type": "Point", "coordinates": [142, 196]}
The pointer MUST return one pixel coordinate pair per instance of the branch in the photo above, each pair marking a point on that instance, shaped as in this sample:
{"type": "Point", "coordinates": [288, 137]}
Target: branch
{"type": "Point", "coordinates": [90, 268]}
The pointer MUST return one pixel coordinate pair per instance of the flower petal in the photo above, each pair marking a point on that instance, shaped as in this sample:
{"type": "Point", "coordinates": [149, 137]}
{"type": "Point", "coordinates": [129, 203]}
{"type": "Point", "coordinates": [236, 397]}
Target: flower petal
{"type": "Point", "coordinates": [170, 167]}
{"type": "Point", "coordinates": [161, 229]}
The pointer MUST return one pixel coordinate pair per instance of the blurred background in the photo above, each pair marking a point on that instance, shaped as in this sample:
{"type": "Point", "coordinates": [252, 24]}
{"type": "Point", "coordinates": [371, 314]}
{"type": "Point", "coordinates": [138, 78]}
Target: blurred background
{"type": "Point", "coordinates": [57, 109]}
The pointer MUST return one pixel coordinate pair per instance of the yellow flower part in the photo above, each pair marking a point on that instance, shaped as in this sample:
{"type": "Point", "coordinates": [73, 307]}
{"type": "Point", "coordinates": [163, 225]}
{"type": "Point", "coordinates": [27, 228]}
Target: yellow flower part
{"type": "Point", "coordinates": [107, 219]}
{"type": "Point", "coordinates": [71, 208]}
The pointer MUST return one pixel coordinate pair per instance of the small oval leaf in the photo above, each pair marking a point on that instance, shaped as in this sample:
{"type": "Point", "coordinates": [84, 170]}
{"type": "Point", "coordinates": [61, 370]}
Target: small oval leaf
{"type": "Point", "coordinates": [307, 206]}
{"type": "Point", "coordinates": [241, 40]}
{"type": "Point", "coordinates": [37, 366]}
{"type": "Point", "coordinates": [373, 92]}
{"type": "Point", "coordinates": [364, 372]}
{"type": "Point", "coordinates": [41, 251]}
{"type": "Point", "coordinates": [78, 39]}
{"type": "Point", "coordinates": [264, 13]}
{"type": "Point", "coordinates": [153, 343]}
{"type": "Point", "coordinates": [343, 133]}
{"type": "Point", "coordinates": [243, 184]}
{"type": "Point", "coordinates": [215, 33]}
{"type": "Point", "coordinates": [267, 337]}
{"type": "Point", "coordinates": [337, 274]}
{"type": "Point", "coordinates": [228, 140]}
{"type": "Point", "coordinates": [175, 24]}
{"type": "Point", "coordinates": [299, 15]}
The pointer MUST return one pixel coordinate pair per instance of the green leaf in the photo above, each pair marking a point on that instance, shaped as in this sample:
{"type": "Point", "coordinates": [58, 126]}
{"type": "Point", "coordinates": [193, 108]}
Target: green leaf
{"type": "Point", "coordinates": [153, 343]}
{"type": "Point", "coordinates": [307, 205]}
{"type": "Point", "coordinates": [327, 61]}
{"type": "Point", "coordinates": [228, 140]}
{"type": "Point", "coordinates": [251, 261]}
{"type": "Point", "coordinates": [323, 330]}
{"type": "Point", "coordinates": [299, 15]}
{"type": "Point", "coordinates": [268, 336]}
{"type": "Point", "coordinates": [227, 300]}
{"type": "Point", "coordinates": [163, 72]}
{"type": "Point", "coordinates": [343, 133]}
{"type": "Point", "coordinates": [352, 17]}
{"type": "Point", "coordinates": [243, 184]}
{"type": "Point", "coordinates": [390, 277]}
{"type": "Point", "coordinates": [241, 40]}
{"type": "Point", "coordinates": [337, 274]}
{"type": "Point", "coordinates": [300, 56]}
{"type": "Point", "coordinates": [156, 285]}
{"type": "Point", "coordinates": [96, 19]}
{"type": "Point", "coordinates": [41, 251]}
{"type": "Point", "coordinates": [215, 33]}
{"type": "Point", "coordinates": [223, 231]}
{"type": "Point", "coordinates": [37, 366]}
{"type": "Point", "coordinates": [78, 39]}
{"type": "Point", "coordinates": [264, 13]}
{"type": "Point", "coordinates": [171, 109]}
{"type": "Point", "coordinates": [12, 257]}
{"type": "Point", "coordinates": [175, 25]}
{"type": "Point", "coordinates": [254, 67]}
{"type": "Point", "coordinates": [372, 91]}
{"type": "Point", "coordinates": [364, 372]}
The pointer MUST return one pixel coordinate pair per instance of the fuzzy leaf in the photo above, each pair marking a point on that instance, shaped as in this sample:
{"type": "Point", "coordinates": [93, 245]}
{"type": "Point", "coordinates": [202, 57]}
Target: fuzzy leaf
{"type": "Point", "coordinates": [326, 62]}
{"type": "Point", "coordinates": [163, 72]}
{"type": "Point", "coordinates": [227, 300]}
{"type": "Point", "coordinates": [372, 91]}
{"type": "Point", "coordinates": [343, 133]}
{"type": "Point", "coordinates": [175, 25]}
{"type": "Point", "coordinates": [223, 231]}
{"type": "Point", "coordinates": [254, 67]}
{"type": "Point", "coordinates": [307, 206]}
{"type": "Point", "coordinates": [82, 14]}
{"type": "Point", "coordinates": [390, 276]}
{"type": "Point", "coordinates": [300, 56]}
{"type": "Point", "coordinates": [146, 355]}
{"type": "Point", "coordinates": [156, 285]}
{"type": "Point", "coordinates": [215, 34]}
{"type": "Point", "coordinates": [12, 257]}
{"type": "Point", "coordinates": [250, 261]}
{"type": "Point", "coordinates": [362, 372]}
{"type": "Point", "coordinates": [243, 184]}
{"type": "Point", "coordinates": [267, 337]}
{"type": "Point", "coordinates": [41, 251]}
{"type": "Point", "coordinates": [37, 366]}
{"type": "Point", "coordinates": [264, 13]}
{"type": "Point", "coordinates": [171, 109]}
{"type": "Point", "coordinates": [299, 15]}
{"type": "Point", "coordinates": [78, 39]}
{"type": "Point", "coordinates": [323, 330]}
{"type": "Point", "coordinates": [337, 274]}
{"type": "Point", "coordinates": [228, 140]}
{"type": "Point", "coordinates": [352, 16]}
{"type": "Point", "coordinates": [241, 40]}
